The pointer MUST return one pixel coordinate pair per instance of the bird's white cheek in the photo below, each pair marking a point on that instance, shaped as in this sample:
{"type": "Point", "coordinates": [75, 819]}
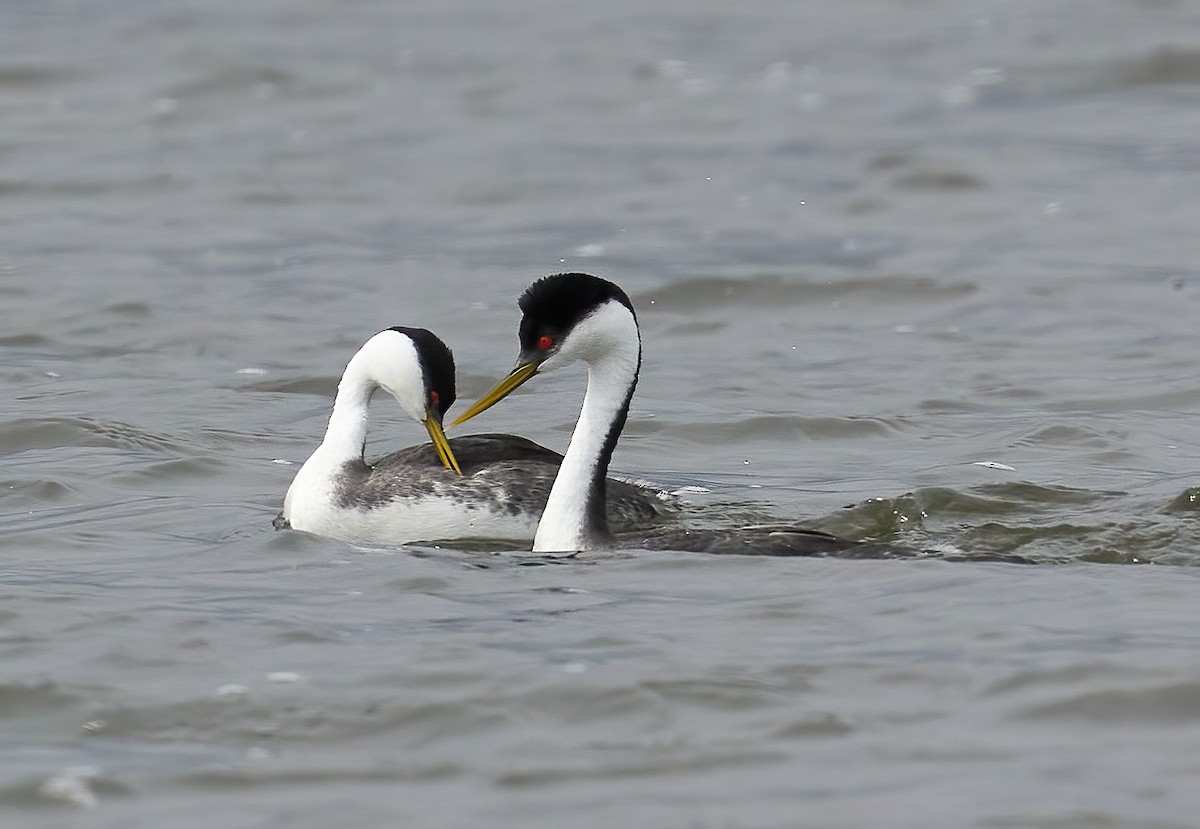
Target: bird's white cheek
{"type": "Point", "coordinates": [552, 362]}
{"type": "Point", "coordinates": [573, 351]}
{"type": "Point", "coordinates": [409, 396]}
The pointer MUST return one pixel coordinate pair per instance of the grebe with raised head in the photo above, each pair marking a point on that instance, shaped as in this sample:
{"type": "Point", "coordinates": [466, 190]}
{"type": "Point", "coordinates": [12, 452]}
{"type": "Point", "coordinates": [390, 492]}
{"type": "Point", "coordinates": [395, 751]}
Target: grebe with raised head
{"type": "Point", "coordinates": [578, 317]}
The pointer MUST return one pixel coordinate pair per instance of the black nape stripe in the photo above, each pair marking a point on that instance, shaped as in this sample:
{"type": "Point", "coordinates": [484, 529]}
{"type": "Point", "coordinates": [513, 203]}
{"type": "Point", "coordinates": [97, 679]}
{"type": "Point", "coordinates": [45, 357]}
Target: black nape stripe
{"type": "Point", "coordinates": [552, 306]}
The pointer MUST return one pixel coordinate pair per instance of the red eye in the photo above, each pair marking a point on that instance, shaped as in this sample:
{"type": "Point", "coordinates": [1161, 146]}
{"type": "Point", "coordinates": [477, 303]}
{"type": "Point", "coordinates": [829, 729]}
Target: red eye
{"type": "Point", "coordinates": [545, 342]}
{"type": "Point", "coordinates": [434, 398]}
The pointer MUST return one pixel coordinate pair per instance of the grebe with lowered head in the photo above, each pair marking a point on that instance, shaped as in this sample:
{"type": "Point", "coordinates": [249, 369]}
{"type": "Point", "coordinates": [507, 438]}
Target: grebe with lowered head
{"type": "Point", "coordinates": [480, 486]}
{"type": "Point", "coordinates": [575, 316]}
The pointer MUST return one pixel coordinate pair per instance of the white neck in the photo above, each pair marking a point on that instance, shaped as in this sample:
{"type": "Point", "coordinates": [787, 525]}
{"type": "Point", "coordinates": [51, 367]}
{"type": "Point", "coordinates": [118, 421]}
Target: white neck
{"type": "Point", "coordinates": [574, 518]}
{"type": "Point", "coordinates": [389, 361]}
{"type": "Point", "coordinates": [313, 487]}
{"type": "Point", "coordinates": [346, 435]}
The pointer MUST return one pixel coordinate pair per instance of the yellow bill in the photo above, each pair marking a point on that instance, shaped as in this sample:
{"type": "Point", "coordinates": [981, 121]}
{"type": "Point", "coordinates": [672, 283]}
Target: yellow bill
{"type": "Point", "coordinates": [438, 437]}
{"type": "Point", "coordinates": [518, 376]}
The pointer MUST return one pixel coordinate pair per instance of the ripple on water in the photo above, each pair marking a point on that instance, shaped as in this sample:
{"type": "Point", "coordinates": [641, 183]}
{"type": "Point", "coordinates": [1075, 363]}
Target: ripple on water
{"type": "Point", "coordinates": [988, 500]}
{"type": "Point", "coordinates": [234, 80]}
{"type": "Point", "coordinates": [251, 776]}
{"type": "Point", "coordinates": [86, 523]}
{"type": "Point", "coordinates": [1051, 678]}
{"type": "Point", "coordinates": [734, 694]}
{"type": "Point", "coordinates": [30, 76]}
{"type": "Point", "coordinates": [35, 490]}
{"type": "Point", "coordinates": [774, 428]}
{"type": "Point", "coordinates": [1162, 705]}
{"type": "Point", "coordinates": [50, 432]}
{"type": "Point", "coordinates": [775, 291]}
{"type": "Point", "coordinates": [83, 787]}
{"type": "Point", "coordinates": [1187, 501]}
{"type": "Point", "coordinates": [287, 713]}
{"type": "Point", "coordinates": [1168, 65]}
{"type": "Point", "coordinates": [1059, 434]}
{"type": "Point", "coordinates": [641, 763]}
{"type": "Point", "coordinates": [1017, 517]}
{"type": "Point", "coordinates": [815, 725]}
{"type": "Point", "coordinates": [321, 386]}
{"type": "Point", "coordinates": [24, 340]}
{"type": "Point", "coordinates": [19, 700]}
{"type": "Point", "coordinates": [179, 469]}
{"type": "Point", "coordinates": [85, 188]}
{"type": "Point", "coordinates": [933, 179]}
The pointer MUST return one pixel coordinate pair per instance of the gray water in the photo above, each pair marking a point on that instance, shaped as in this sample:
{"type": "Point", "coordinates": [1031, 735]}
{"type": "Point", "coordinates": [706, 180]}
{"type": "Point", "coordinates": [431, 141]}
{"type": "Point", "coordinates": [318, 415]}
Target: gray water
{"type": "Point", "coordinates": [924, 272]}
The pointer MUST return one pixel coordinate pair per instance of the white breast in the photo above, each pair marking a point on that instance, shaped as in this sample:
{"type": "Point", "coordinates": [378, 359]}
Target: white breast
{"type": "Point", "coordinates": [407, 521]}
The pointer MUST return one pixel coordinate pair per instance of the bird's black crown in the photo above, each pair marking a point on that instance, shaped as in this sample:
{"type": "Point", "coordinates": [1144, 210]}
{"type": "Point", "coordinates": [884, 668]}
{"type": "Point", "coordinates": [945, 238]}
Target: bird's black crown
{"type": "Point", "coordinates": [555, 304]}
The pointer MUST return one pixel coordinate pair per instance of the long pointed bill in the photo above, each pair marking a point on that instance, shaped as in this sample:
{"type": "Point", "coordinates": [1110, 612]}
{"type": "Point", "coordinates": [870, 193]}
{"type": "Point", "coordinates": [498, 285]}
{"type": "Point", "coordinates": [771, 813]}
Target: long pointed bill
{"type": "Point", "coordinates": [438, 437]}
{"type": "Point", "coordinates": [518, 376]}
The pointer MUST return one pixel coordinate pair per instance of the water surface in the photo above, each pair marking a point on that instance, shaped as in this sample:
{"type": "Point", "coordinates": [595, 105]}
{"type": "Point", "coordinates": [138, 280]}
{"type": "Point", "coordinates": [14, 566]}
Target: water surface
{"type": "Point", "coordinates": [917, 271]}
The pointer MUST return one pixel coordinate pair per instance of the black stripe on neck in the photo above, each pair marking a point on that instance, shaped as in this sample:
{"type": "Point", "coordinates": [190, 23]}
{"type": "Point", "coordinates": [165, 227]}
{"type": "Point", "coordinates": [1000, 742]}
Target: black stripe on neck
{"type": "Point", "coordinates": [596, 511]}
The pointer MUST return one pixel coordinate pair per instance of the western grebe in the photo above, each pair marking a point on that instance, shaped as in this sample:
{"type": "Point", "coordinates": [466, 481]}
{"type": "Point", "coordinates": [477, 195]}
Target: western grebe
{"type": "Point", "coordinates": [480, 486]}
{"type": "Point", "coordinates": [575, 316]}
